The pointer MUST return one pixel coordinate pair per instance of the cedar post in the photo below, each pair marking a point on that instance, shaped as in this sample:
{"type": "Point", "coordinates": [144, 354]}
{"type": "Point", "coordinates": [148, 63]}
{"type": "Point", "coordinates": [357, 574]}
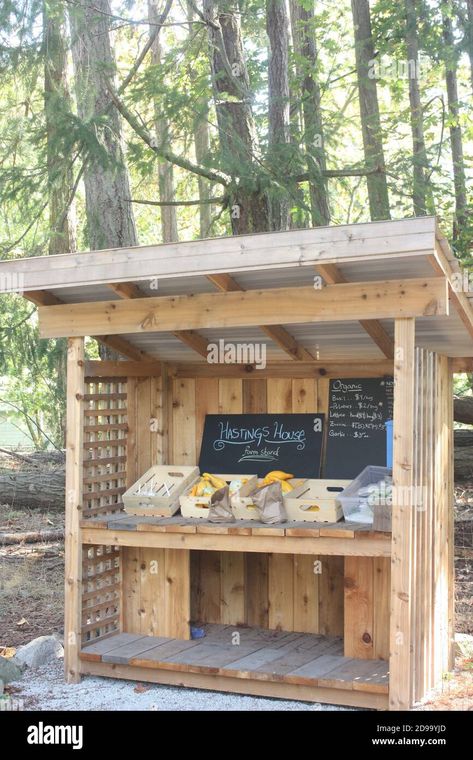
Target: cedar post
{"type": "Point", "coordinates": [74, 461]}
{"type": "Point", "coordinates": [400, 678]}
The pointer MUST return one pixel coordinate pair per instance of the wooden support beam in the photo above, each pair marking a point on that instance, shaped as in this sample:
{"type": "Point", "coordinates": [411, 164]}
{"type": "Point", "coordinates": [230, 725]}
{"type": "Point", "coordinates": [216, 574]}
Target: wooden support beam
{"type": "Point", "coordinates": [439, 263]}
{"type": "Point", "coordinates": [332, 276]}
{"type": "Point", "coordinates": [194, 340]}
{"type": "Point", "coordinates": [74, 473]}
{"type": "Point", "coordinates": [277, 333]}
{"type": "Point", "coordinates": [224, 282]}
{"type": "Point", "coordinates": [125, 348]}
{"type": "Point", "coordinates": [110, 368]}
{"type": "Point", "coordinates": [461, 364]}
{"type": "Point", "coordinates": [350, 301]}
{"type": "Point", "coordinates": [401, 660]}
{"type": "Point", "coordinates": [190, 337]}
{"type": "Point", "coordinates": [234, 254]}
{"type": "Point", "coordinates": [315, 369]}
{"type": "Point", "coordinates": [127, 290]}
{"type": "Point", "coordinates": [44, 298]}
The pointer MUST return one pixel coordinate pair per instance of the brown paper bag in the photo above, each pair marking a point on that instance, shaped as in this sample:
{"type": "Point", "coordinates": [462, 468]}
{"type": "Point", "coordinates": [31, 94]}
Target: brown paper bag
{"type": "Point", "coordinates": [220, 509]}
{"type": "Point", "coordinates": [269, 503]}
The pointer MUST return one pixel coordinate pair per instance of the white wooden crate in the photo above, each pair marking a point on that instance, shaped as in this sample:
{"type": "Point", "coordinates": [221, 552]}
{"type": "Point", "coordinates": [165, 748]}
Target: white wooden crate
{"type": "Point", "coordinates": [198, 506]}
{"type": "Point", "coordinates": [315, 501]}
{"type": "Point", "coordinates": [242, 503]}
{"type": "Point", "coordinates": [157, 492]}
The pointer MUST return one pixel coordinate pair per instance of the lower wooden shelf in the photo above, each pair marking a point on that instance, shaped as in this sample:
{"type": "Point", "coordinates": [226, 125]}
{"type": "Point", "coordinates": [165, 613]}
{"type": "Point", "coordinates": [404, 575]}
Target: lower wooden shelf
{"type": "Point", "coordinates": [338, 539]}
{"type": "Point", "coordinates": [245, 660]}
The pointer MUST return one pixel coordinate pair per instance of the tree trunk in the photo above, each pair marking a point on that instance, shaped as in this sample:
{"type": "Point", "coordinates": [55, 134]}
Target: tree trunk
{"type": "Point", "coordinates": [57, 102]}
{"type": "Point", "coordinates": [369, 111]}
{"type": "Point", "coordinates": [110, 222]}
{"type": "Point", "coordinates": [469, 37]}
{"type": "Point", "coordinates": [456, 142]}
{"type": "Point", "coordinates": [302, 23]}
{"type": "Point", "coordinates": [165, 169]}
{"type": "Point", "coordinates": [237, 134]}
{"type": "Point", "coordinates": [31, 537]}
{"type": "Point", "coordinates": [463, 409]}
{"type": "Point", "coordinates": [277, 28]}
{"type": "Point", "coordinates": [421, 189]}
{"type": "Point", "coordinates": [34, 490]}
{"type": "Point", "coordinates": [202, 151]}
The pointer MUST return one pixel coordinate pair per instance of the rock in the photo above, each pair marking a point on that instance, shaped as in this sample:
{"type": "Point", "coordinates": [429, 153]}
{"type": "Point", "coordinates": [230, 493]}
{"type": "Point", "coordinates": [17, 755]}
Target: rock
{"type": "Point", "coordinates": [40, 651]}
{"type": "Point", "coordinates": [463, 645]}
{"type": "Point", "coordinates": [10, 669]}
{"type": "Point", "coordinates": [1, 687]}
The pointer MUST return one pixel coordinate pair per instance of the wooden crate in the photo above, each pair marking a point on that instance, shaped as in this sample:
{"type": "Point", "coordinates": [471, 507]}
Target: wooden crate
{"type": "Point", "coordinates": [242, 503]}
{"type": "Point", "coordinates": [198, 506]}
{"type": "Point", "coordinates": [315, 501]}
{"type": "Point", "coordinates": [167, 483]}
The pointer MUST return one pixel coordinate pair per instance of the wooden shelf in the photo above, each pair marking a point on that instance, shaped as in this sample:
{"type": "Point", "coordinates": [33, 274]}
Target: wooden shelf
{"type": "Point", "coordinates": [342, 538]}
{"type": "Point", "coordinates": [263, 660]}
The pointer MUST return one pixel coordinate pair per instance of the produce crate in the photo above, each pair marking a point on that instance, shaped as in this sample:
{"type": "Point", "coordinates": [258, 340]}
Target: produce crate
{"type": "Point", "coordinates": [316, 501]}
{"type": "Point", "coordinates": [157, 492]}
{"type": "Point", "coordinates": [242, 503]}
{"type": "Point", "coordinates": [198, 506]}
{"type": "Point", "coordinates": [353, 500]}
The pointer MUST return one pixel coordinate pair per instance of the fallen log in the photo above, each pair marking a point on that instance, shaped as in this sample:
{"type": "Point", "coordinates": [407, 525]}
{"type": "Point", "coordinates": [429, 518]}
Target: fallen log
{"type": "Point", "coordinates": [33, 489]}
{"type": "Point", "coordinates": [463, 409]}
{"type": "Point", "coordinates": [31, 537]}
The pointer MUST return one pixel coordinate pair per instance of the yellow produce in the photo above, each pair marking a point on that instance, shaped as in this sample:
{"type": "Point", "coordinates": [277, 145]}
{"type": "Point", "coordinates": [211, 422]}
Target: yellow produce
{"type": "Point", "coordinates": [313, 508]}
{"type": "Point", "coordinates": [286, 487]}
{"type": "Point", "coordinates": [201, 485]}
{"type": "Point", "coordinates": [214, 480]}
{"type": "Point", "coordinates": [279, 475]}
{"type": "Point", "coordinates": [193, 490]}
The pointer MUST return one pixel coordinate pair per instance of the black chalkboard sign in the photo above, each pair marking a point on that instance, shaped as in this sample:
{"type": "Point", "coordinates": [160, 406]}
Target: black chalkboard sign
{"type": "Point", "coordinates": [258, 443]}
{"type": "Point", "coordinates": [356, 432]}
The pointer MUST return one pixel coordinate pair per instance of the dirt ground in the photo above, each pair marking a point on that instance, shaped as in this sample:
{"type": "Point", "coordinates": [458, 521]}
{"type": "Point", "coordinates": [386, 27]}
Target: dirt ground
{"type": "Point", "coordinates": [31, 579]}
{"type": "Point", "coordinates": [32, 597]}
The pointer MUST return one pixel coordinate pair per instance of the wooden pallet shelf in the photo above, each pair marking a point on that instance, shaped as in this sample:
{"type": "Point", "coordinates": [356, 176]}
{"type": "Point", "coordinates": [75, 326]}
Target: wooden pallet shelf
{"type": "Point", "coordinates": [313, 663]}
{"type": "Point", "coordinates": [341, 539]}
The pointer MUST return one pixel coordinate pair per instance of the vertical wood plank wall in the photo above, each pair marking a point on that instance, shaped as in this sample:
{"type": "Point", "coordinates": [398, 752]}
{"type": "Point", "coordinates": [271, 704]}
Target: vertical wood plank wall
{"type": "Point", "coordinates": [274, 591]}
{"type": "Point", "coordinates": [164, 422]}
{"type": "Point", "coordinates": [422, 638]}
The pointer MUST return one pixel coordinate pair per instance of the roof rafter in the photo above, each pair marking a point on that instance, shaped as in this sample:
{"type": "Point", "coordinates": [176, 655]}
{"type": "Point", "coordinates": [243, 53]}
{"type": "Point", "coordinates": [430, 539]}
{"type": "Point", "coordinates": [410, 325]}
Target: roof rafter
{"type": "Point", "coordinates": [333, 276]}
{"type": "Point", "coordinates": [277, 333]}
{"type": "Point", "coordinates": [190, 337]}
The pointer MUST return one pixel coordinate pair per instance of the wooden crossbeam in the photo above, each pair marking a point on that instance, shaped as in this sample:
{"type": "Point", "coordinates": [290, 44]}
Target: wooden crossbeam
{"type": "Point", "coordinates": [126, 290]}
{"type": "Point", "coordinates": [277, 333]}
{"type": "Point", "coordinates": [458, 298]}
{"type": "Point", "coordinates": [124, 347]}
{"type": "Point", "coordinates": [190, 337]}
{"type": "Point", "coordinates": [111, 368]}
{"type": "Point", "coordinates": [285, 369]}
{"type": "Point", "coordinates": [333, 276]}
{"type": "Point", "coordinates": [302, 305]}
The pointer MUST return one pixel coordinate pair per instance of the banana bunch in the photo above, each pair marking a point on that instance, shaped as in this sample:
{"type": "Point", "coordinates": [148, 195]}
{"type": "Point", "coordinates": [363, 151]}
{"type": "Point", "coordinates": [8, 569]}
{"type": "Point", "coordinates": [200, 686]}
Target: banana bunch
{"type": "Point", "coordinates": [206, 485]}
{"type": "Point", "coordinates": [278, 476]}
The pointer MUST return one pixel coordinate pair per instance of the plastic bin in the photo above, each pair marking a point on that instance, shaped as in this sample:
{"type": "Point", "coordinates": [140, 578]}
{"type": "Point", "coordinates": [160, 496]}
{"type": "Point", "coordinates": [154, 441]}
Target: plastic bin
{"type": "Point", "coordinates": [389, 443]}
{"type": "Point", "coordinates": [351, 502]}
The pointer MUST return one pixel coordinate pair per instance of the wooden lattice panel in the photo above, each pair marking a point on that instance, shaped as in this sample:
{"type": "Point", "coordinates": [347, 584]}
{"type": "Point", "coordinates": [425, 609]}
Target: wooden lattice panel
{"type": "Point", "coordinates": [100, 591]}
{"type": "Point", "coordinates": [105, 441]}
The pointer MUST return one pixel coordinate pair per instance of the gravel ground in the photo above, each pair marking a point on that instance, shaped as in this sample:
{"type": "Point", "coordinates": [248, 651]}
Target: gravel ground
{"type": "Point", "coordinates": [44, 689]}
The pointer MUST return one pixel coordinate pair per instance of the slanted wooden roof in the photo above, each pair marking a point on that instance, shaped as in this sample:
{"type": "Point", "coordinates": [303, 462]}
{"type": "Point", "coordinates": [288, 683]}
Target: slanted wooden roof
{"type": "Point", "coordinates": [168, 301]}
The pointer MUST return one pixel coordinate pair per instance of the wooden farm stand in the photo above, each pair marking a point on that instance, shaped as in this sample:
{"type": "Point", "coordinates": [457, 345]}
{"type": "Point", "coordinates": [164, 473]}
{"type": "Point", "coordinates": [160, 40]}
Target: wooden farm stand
{"type": "Point", "coordinates": [375, 627]}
